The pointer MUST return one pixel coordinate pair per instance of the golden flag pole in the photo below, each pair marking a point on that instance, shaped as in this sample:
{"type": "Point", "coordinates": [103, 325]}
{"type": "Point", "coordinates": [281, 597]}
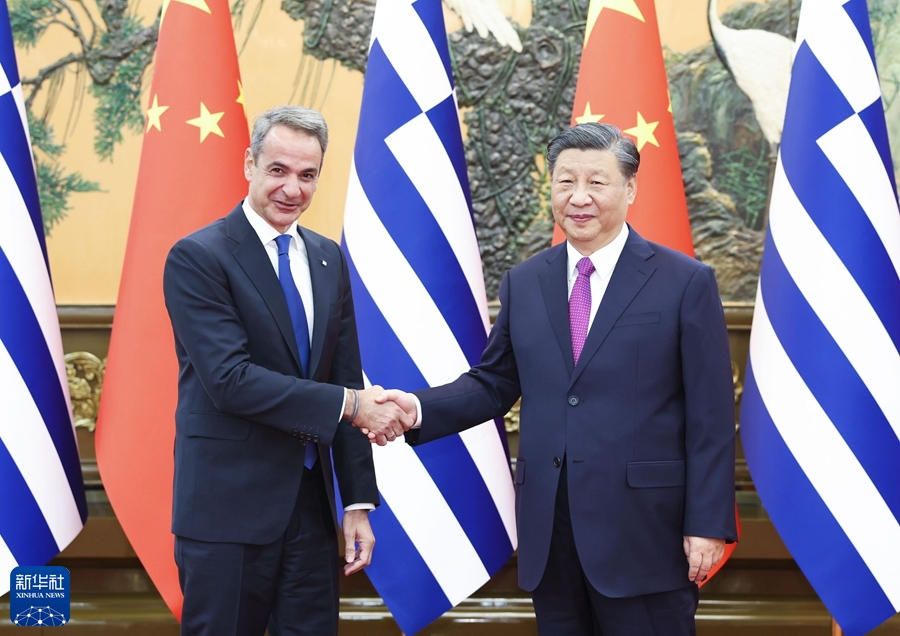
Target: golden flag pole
{"type": "Point", "coordinates": [835, 628]}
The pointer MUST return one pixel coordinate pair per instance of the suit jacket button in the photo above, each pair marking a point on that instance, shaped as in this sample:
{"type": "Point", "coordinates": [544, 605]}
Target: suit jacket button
{"type": "Point", "coordinates": [573, 400]}
{"type": "Point", "coordinates": [315, 438]}
{"type": "Point", "coordinates": [556, 462]}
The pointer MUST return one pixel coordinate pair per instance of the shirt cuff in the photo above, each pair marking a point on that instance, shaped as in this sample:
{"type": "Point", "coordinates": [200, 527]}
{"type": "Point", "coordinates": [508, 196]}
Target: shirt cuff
{"type": "Point", "coordinates": [360, 506]}
{"type": "Point", "coordinates": [418, 423]}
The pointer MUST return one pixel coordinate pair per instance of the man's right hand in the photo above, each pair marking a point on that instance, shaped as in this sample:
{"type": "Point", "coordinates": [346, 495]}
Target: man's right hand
{"type": "Point", "coordinates": [382, 421]}
{"type": "Point", "coordinates": [401, 399]}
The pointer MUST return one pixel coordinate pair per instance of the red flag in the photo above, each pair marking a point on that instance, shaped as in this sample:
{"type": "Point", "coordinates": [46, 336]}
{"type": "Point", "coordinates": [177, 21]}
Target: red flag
{"type": "Point", "coordinates": [191, 173]}
{"type": "Point", "coordinates": [622, 81]}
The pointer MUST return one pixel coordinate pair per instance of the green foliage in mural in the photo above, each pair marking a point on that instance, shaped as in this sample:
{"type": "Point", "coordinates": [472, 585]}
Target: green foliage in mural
{"type": "Point", "coordinates": [112, 54]}
{"type": "Point", "coordinates": [54, 183]}
{"type": "Point", "coordinates": [744, 174]}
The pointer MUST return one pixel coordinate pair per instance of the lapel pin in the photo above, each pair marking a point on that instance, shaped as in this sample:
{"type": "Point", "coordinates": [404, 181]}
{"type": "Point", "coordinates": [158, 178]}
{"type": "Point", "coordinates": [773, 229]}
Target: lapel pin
{"type": "Point", "coordinates": [325, 263]}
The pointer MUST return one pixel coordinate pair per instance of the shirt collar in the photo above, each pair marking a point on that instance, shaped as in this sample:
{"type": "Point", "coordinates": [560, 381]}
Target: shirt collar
{"type": "Point", "coordinates": [264, 231]}
{"type": "Point", "coordinates": [604, 259]}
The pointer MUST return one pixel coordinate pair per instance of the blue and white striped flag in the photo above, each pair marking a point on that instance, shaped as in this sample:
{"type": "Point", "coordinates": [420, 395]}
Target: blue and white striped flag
{"type": "Point", "coordinates": [42, 504]}
{"type": "Point", "coordinates": [820, 419]}
{"type": "Point", "coordinates": [447, 520]}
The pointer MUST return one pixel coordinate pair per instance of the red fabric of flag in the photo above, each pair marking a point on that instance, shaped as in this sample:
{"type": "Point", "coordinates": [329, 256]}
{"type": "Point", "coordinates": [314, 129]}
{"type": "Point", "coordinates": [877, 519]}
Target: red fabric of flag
{"type": "Point", "coordinates": [622, 81]}
{"type": "Point", "coordinates": [191, 173]}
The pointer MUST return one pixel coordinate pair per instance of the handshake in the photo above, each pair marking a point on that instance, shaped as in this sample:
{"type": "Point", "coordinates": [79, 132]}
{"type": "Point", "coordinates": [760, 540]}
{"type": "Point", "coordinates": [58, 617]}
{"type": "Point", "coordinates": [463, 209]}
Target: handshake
{"type": "Point", "coordinates": [382, 415]}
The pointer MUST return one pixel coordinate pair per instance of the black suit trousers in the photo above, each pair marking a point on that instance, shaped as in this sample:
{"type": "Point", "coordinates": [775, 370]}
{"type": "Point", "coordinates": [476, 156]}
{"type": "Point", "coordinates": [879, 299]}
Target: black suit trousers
{"type": "Point", "coordinates": [566, 603]}
{"type": "Point", "coordinates": [289, 585]}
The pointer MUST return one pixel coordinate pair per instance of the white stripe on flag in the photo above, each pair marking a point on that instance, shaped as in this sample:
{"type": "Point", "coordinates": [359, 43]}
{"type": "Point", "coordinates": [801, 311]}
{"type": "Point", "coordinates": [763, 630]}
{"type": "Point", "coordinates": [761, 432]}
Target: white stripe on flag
{"type": "Point", "coordinates": [422, 156]}
{"type": "Point", "coordinates": [411, 52]}
{"type": "Point", "coordinates": [21, 247]}
{"type": "Point", "coordinates": [824, 456]}
{"type": "Point", "coordinates": [7, 563]}
{"type": "Point", "coordinates": [26, 438]}
{"type": "Point", "coordinates": [387, 274]}
{"type": "Point", "coordinates": [863, 172]}
{"type": "Point", "coordinates": [406, 486]}
{"type": "Point", "coordinates": [836, 43]}
{"type": "Point", "coordinates": [835, 297]}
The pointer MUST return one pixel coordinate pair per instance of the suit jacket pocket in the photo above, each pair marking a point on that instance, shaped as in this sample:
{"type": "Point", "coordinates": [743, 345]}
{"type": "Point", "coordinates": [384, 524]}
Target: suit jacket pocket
{"type": "Point", "coordinates": [217, 426]}
{"type": "Point", "coordinates": [659, 474]}
{"type": "Point", "coordinates": [638, 319]}
{"type": "Point", "coordinates": [520, 471]}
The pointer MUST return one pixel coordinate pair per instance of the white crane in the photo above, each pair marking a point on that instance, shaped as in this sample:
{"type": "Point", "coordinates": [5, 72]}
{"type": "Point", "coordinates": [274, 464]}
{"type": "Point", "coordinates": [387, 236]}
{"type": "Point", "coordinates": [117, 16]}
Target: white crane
{"type": "Point", "coordinates": [485, 16]}
{"type": "Point", "coordinates": [760, 62]}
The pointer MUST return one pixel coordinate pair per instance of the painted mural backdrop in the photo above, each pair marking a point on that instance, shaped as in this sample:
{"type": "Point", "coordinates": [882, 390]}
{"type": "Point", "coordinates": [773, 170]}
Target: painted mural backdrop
{"type": "Point", "coordinates": [726, 98]}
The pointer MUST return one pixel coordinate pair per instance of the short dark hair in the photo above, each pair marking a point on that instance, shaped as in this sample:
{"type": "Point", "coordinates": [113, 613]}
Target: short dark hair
{"type": "Point", "coordinates": [596, 136]}
{"type": "Point", "coordinates": [298, 118]}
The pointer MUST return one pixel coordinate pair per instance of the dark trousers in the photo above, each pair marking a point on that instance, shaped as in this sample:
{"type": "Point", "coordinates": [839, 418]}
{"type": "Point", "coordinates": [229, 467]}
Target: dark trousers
{"type": "Point", "coordinates": [566, 603]}
{"type": "Point", "coordinates": [290, 585]}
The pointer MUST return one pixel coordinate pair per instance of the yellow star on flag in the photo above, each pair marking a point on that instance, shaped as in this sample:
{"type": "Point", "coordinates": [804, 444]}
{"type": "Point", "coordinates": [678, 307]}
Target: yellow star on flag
{"type": "Point", "coordinates": [643, 132]}
{"type": "Point", "coordinates": [628, 7]}
{"type": "Point", "coordinates": [588, 116]}
{"type": "Point", "coordinates": [198, 4]}
{"type": "Point", "coordinates": [153, 115]}
{"type": "Point", "coordinates": [240, 99]}
{"type": "Point", "coordinates": [207, 122]}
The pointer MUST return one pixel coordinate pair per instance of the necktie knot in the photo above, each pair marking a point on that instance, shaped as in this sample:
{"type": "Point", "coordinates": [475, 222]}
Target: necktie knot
{"type": "Point", "coordinates": [283, 242]}
{"type": "Point", "coordinates": [585, 266]}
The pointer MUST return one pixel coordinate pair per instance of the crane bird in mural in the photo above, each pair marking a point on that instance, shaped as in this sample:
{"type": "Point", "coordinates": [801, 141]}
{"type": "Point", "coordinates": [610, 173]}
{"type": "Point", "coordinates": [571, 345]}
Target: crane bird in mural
{"type": "Point", "coordinates": [486, 17]}
{"type": "Point", "coordinates": [760, 63]}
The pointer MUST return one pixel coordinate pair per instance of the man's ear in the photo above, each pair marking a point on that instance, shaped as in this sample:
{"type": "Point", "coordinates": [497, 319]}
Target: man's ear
{"type": "Point", "coordinates": [248, 164]}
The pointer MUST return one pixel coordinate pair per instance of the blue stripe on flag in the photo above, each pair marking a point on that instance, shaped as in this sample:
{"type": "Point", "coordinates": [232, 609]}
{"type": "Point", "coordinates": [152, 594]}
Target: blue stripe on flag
{"type": "Point", "coordinates": [385, 361]}
{"type": "Point", "coordinates": [16, 150]}
{"type": "Point", "coordinates": [456, 476]}
{"type": "Point", "coordinates": [858, 13]}
{"type": "Point", "coordinates": [22, 524]}
{"type": "Point", "coordinates": [821, 189]}
{"type": "Point", "coordinates": [445, 119]}
{"type": "Point", "coordinates": [809, 530]}
{"type": "Point", "coordinates": [432, 16]}
{"type": "Point", "coordinates": [401, 573]}
{"type": "Point", "coordinates": [875, 123]}
{"type": "Point", "coordinates": [831, 378]}
{"type": "Point", "coordinates": [22, 336]}
{"type": "Point", "coordinates": [408, 219]}
{"type": "Point", "coordinates": [7, 51]}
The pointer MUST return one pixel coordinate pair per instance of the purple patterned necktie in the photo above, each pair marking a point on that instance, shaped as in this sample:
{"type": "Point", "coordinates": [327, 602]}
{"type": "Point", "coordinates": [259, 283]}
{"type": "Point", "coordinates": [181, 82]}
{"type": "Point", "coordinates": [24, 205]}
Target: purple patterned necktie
{"type": "Point", "coordinates": [580, 306]}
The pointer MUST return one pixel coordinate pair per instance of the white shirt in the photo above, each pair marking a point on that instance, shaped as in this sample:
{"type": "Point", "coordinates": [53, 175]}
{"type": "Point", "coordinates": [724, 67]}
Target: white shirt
{"type": "Point", "coordinates": [300, 272]}
{"type": "Point", "coordinates": [604, 261]}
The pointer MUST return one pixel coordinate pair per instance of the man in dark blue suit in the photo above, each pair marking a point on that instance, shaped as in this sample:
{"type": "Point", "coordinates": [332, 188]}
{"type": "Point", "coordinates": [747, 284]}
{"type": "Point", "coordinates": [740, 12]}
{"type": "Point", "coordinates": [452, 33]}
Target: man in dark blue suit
{"type": "Point", "coordinates": [266, 342]}
{"type": "Point", "coordinates": [619, 351]}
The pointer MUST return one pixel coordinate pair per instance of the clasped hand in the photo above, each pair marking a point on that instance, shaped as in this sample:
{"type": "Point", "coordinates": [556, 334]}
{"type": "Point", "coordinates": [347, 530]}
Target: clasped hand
{"type": "Point", "coordinates": [384, 415]}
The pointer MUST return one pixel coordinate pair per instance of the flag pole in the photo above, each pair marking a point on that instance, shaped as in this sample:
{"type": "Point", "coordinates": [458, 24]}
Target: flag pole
{"type": "Point", "coordinates": [835, 628]}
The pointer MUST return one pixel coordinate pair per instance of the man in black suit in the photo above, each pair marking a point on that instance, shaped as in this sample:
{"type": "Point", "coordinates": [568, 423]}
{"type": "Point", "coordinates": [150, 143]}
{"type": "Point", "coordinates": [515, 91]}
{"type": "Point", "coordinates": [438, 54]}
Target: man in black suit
{"type": "Point", "coordinates": [266, 342]}
{"type": "Point", "coordinates": [619, 351]}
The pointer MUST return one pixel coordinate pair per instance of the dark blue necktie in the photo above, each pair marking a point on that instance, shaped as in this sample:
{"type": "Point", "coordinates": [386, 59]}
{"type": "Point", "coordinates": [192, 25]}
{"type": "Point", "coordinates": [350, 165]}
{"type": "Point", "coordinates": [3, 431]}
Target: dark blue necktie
{"type": "Point", "coordinates": [298, 320]}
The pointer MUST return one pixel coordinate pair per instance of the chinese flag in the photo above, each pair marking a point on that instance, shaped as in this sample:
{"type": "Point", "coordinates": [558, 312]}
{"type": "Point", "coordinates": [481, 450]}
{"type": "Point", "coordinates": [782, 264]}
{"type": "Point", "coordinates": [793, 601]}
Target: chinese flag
{"type": "Point", "coordinates": [622, 81]}
{"type": "Point", "coordinates": [191, 173]}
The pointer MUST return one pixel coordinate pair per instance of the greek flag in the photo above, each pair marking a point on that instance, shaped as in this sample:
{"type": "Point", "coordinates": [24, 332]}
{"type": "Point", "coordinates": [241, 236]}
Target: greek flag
{"type": "Point", "coordinates": [447, 521]}
{"type": "Point", "coordinates": [820, 420]}
{"type": "Point", "coordinates": [42, 505]}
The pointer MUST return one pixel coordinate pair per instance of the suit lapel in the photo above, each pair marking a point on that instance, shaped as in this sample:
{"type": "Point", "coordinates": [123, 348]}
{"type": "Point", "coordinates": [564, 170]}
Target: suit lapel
{"type": "Point", "coordinates": [321, 274]}
{"type": "Point", "coordinates": [629, 276]}
{"type": "Point", "coordinates": [251, 256]}
{"type": "Point", "coordinates": [554, 287]}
